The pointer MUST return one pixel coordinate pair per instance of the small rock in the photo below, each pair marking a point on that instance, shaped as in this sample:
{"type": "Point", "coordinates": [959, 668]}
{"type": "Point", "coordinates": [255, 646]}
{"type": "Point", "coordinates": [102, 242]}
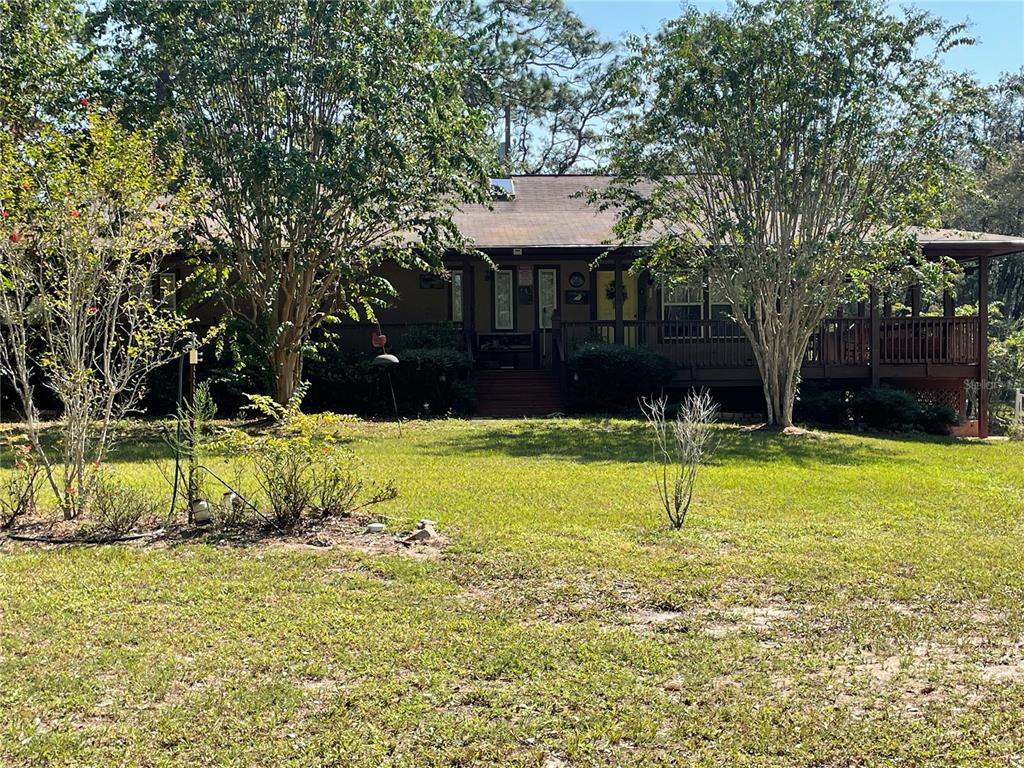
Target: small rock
{"type": "Point", "coordinates": [375, 528]}
{"type": "Point", "coordinates": [673, 685]}
{"type": "Point", "coordinates": [421, 534]}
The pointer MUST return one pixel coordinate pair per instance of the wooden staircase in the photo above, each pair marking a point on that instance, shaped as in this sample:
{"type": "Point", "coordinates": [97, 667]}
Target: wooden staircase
{"type": "Point", "coordinates": [517, 393]}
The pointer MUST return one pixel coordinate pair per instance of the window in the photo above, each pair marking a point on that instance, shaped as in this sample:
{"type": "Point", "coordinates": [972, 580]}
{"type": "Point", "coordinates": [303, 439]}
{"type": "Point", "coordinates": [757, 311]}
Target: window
{"type": "Point", "coordinates": [456, 296]}
{"type": "Point", "coordinates": [547, 292]}
{"type": "Point", "coordinates": [682, 309]}
{"type": "Point", "coordinates": [504, 300]}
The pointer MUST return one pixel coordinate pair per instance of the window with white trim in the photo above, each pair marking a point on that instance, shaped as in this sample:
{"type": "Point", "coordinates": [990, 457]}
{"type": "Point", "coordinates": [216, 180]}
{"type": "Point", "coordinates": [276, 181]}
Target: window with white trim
{"type": "Point", "coordinates": [504, 300]}
{"type": "Point", "coordinates": [682, 309]}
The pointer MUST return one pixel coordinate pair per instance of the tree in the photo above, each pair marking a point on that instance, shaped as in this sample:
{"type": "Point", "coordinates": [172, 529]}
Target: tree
{"type": "Point", "coordinates": [783, 150]}
{"type": "Point", "coordinates": [333, 136]}
{"type": "Point", "coordinates": [43, 72]}
{"type": "Point", "coordinates": [996, 204]}
{"type": "Point", "coordinates": [540, 62]}
{"type": "Point", "coordinates": [86, 218]}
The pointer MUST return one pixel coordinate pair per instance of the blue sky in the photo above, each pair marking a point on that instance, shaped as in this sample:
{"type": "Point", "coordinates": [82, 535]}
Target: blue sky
{"type": "Point", "coordinates": [998, 25]}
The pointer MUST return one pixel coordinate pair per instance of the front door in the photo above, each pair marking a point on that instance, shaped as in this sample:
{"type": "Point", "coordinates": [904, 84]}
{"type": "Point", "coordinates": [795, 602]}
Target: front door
{"type": "Point", "coordinates": [547, 303]}
{"type": "Point", "coordinates": [606, 290]}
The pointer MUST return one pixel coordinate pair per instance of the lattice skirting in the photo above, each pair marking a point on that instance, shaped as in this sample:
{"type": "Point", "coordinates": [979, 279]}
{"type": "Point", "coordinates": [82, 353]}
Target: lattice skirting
{"type": "Point", "coordinates": [951, 393]}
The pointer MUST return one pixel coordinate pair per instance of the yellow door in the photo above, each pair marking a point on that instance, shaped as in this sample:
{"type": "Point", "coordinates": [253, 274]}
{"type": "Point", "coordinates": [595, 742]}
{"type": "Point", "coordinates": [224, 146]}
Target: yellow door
{"type": "Point", "coordinates": [606, 305]}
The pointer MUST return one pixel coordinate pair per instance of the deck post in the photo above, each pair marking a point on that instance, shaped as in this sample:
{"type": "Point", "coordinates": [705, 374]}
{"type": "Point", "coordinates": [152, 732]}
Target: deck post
{"type": "Point", "coordinates": [620, 334]}
{"type": "Point", "coordinates": [983, 346]}
{"type": "Point", "coordinates": [876, 336]}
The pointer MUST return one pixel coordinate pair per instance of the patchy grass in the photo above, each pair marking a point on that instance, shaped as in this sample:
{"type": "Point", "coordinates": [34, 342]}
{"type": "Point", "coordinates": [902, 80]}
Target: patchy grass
{"type": "Point", "coordinates": [833, 600]}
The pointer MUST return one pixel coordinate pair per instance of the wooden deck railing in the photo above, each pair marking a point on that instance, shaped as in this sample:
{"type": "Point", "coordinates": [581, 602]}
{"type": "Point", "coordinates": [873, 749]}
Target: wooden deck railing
{"type": "Point", "coordinates": [905, 340]}
{"type": "Point", "coordinates": [838, 342]}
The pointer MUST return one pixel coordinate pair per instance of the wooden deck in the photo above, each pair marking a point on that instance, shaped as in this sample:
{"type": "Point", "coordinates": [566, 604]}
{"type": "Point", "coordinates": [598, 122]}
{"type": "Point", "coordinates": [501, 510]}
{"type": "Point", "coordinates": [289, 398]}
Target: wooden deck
{"type": "Point", "coordinates": [718, 352]}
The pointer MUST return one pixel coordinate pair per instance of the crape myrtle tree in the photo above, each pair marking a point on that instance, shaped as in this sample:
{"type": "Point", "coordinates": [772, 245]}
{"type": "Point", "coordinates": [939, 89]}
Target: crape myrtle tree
{"type": "Point", "coordinates": [86, 216]}
{"type": "Point", "coordinates": [43, 73]}
{"type": "Point", "coordinates": [539, 62]}
{"type": "Point", "coordinates": [332, 136]}
{"type": "Point", "coordinates": [784, 149]}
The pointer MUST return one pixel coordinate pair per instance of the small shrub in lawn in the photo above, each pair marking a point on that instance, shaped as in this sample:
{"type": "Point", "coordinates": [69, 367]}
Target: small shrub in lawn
{"type": "Point", "coordinates": [681, 447]}
{"type": "Point", "coordinates": [610, 377]}
{"type": "Point", "coordinates": [117, 508]}
{"type": "Point", "coordinates": [20, 488]}
{"type": "Point", "coordinates": [339, 488]}
{"type": "Point", "coordinates": [886, 408]}
{"type": "Point", "coordinates": [298, 468]}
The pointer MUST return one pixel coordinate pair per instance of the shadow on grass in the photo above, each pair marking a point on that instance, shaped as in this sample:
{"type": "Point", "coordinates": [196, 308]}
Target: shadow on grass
{"type": "Point", "coordinates": [623, 441]}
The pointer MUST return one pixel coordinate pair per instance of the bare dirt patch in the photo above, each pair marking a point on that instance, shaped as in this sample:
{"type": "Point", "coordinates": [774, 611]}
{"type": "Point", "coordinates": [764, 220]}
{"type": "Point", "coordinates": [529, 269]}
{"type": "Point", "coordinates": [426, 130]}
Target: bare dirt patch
{"type": "Point", "coordinates": [311, 535]}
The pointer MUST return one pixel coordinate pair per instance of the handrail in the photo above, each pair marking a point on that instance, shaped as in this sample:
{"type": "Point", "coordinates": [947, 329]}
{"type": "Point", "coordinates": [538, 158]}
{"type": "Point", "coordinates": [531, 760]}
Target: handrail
{"type": "Point", "coordinates": [839, 341]}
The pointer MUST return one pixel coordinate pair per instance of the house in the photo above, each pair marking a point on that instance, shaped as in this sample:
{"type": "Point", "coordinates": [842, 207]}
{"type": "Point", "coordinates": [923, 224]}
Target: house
{"type": "Point", "coordinates": [555, 284]}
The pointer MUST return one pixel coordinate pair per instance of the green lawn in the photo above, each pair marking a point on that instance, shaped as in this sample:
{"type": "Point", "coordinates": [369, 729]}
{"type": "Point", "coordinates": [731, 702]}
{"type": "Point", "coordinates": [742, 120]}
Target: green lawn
{"type": "Point", "coordinates": [839, 600]}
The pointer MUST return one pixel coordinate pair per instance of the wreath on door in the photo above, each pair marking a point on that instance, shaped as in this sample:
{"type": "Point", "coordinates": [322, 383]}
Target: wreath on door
{"type": "Point", "coordinates": [610, 291]}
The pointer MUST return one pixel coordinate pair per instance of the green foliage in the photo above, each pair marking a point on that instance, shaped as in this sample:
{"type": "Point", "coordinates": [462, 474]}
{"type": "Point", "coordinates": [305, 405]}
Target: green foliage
{"type": "Point", "coordinates": [19, 488]}
{"type": "Point", "coordinates": [115, 507]}
{"type": "Point", "coordinates": [996, 202]}
{"type": "Point", "coordinates": [829, 407]}
{"type": "Point", "coordinates": [885, 408]}
{"type": "Point", "coordinates": [1006, 359]}
{"type": "Point", "coordinates": [348, 143]}
{"type": "Point", "coordinates": [432, 379]}
{"type": "Point", "coordinates": [937, 418]}
{"type": "Point", "coordinates": [432, 336]}
{"type": "Point", "coordinates": [44, 68]}
{"type": "Point", "coordinates": [538, 59]}
{"type": "Point", "coordinates": [297, 465]}
{"type": "Point", "coordinates": [88, 219]}
{"type": "Point", "coordinates": [606, 378]}
{"type": "Point", "coordinates": [785, 148]}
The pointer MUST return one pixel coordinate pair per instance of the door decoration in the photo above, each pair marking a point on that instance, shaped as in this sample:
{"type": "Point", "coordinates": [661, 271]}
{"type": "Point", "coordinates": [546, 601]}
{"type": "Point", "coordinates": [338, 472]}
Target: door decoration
{"type": "Point", "coordinates": [611, 290]}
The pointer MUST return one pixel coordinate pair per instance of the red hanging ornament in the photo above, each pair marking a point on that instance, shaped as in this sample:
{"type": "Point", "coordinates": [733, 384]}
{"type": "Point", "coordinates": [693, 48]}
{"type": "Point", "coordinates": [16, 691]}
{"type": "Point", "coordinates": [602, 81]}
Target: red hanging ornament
{"type": "Point", "coordinates": [379, 340]}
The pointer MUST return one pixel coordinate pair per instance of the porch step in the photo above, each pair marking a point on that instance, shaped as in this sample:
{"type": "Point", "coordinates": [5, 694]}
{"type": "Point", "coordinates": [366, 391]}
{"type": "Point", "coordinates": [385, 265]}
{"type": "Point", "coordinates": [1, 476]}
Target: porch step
{"type": "Point", "coordinates": [517, 393]}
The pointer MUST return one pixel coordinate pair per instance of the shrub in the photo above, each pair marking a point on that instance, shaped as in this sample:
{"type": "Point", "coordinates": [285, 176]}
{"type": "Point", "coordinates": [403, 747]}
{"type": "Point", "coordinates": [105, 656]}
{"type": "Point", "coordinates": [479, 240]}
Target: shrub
{"type": "Point", "coordinates": [680, 449]}
{"type": "Point", "coordinates": [432, 381]}
{"type": "Point", "coordinates": [823, 406]}
{"type": "Point", "coordinates": [427, 380]}
{"type": "Point", "coordinates": [283, 470]}
{"type": "Point", "coordinates": [297, 465]}
{"type": "Point", "coordinates": [20, 488]}
{"type": "Point", "coordinates": [432, 336]}
{"type": "Point", "coordinates": [338, 487]}
{"type": "Point", "coordinates": [936, 418]}
{"type": "Point", "coordinates": [610, 377]}
{"type": "Point", "coordinates": [886, 408]}
{"type": "Point", "coordinates": [117, 508]}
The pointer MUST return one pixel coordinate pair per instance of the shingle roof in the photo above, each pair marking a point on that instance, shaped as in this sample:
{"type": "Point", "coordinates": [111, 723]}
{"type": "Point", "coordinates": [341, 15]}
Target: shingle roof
{"type": "Point", "coordinates": [548, 211]}
{"type": "Point", "coordinates": [543, 213]}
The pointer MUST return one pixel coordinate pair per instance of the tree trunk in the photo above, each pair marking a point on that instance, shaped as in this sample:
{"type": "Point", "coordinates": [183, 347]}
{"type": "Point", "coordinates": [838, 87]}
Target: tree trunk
{"type": "Point", "coordinates": [779, 365]}
{"type": "Point", "coordinates": [287, 366]}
